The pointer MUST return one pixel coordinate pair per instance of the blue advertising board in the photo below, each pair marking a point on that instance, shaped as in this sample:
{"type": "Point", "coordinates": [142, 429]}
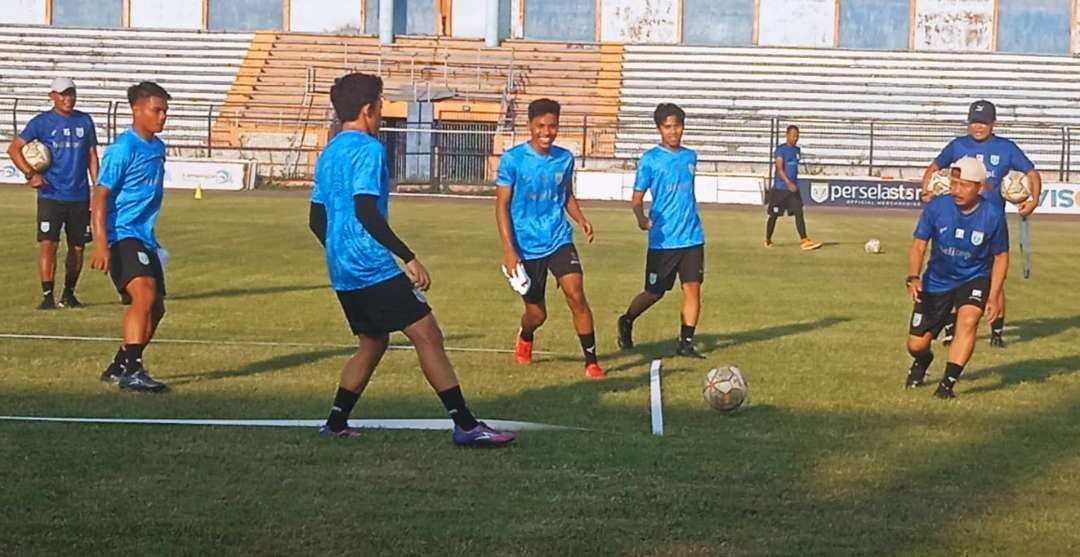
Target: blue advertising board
{"type": "Point", "coordinates": [860, 192]}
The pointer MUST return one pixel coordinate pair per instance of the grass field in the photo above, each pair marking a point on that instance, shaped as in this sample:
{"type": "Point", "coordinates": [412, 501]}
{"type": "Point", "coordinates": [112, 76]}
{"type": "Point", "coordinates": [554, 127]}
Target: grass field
{"type": "Point", "coordinates": [831, 456]}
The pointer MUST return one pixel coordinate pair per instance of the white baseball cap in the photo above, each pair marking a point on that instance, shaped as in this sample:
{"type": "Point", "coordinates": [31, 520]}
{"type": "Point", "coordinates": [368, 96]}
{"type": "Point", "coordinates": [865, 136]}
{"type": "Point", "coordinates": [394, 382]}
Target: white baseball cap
{"type": "Point", "coordinates": [61, 84]}
{"type": "Point", "coordinates": [971, 169]}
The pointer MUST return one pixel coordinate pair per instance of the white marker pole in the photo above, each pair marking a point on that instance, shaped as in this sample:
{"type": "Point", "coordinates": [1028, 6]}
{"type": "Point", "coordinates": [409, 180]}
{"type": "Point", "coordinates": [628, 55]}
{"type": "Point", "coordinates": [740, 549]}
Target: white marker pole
{"type": "Point", "coordinates": [655, 400]}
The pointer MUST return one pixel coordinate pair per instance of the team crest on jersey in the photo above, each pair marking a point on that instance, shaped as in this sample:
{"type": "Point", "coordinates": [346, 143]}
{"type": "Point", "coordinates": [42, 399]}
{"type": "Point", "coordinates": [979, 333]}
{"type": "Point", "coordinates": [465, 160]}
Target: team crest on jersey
{"type": "Point", "coordinates": [143, 258]}
{"type": "Point", "coordinates": [67, 132]}
{"type": "Point", "coordinates": [976, 237]}
{"type": "Point", "coordinates": [652, 278]}
{"type": "Point", "coordinates": [995, 160]}
{"type": "Point", "coordinates": [916, 320]}
{"type": "Point", "coordinates": [819, 192]}
{"type": "Point", "coordinates": [79, 132]}
{"type": "Point", "coordinates": [44, 226]}
{"type": "Point", "coordinates": [959, 234]}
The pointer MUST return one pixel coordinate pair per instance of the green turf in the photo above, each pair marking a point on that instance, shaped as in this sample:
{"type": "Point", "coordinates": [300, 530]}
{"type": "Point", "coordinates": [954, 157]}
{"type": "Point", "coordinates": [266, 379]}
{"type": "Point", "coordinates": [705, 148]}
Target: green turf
{"type": "Point", "coordinates": [831, 456]}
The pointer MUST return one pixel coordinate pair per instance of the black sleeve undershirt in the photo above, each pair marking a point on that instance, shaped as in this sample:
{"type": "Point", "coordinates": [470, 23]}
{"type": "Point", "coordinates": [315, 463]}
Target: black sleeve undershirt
{"type": "Point", "coordinates": [317, 221]}
{"type": "Point", "coordinates": [367, 212]}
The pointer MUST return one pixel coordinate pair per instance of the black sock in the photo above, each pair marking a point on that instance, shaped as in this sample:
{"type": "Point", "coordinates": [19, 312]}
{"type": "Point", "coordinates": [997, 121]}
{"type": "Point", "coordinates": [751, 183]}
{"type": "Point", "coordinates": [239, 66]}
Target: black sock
{"type": "Point", "coordinates": [997, 326]}
{"type": "Point", "coordinates": [922, 360]}
{"type": "Point", "coordinates": [70, 280]}
{"type": "Point", "coordinates": [800, 225]}
{"type": "Point", "coordinates": [629, 316]}
{"type": "Point", "coordinates": [686, 334]}
{"type": "Point", "coordinates": [952, 374]}
{"type": "Point", "coordinates": [120, 359]}
{"type": "Point", "coordinates": [527, 336]}
{"type": "Point", "coordinates": [47, 288]}
{"type": "Point", "coordinates": [133, 354]}
{"type": "Point", "coordinates": [588, 346]}
{"type": "Point", "coordinates": [454, 402]}
{"type": "Point", "coordinates": [339, 412]}
{"type": "Point", "coordinates": [770, 227]}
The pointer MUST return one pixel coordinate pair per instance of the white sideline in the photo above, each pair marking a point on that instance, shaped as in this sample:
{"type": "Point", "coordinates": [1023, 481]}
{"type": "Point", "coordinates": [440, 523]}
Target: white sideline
{"type": "Point", "coordinates": [414, 424]}
{"type": "Point", "coordinates": [657, 410]}
{"type": "Point", "coordinates": [18, 336]}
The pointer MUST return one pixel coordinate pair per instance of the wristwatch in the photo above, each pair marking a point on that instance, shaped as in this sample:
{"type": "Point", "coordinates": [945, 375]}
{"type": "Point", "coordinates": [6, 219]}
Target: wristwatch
{"type": "Point", "coordinates": [907, 281]}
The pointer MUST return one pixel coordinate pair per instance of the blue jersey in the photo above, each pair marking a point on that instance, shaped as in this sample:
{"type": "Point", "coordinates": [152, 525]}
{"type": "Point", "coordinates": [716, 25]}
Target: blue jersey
{"type": "Point", "coordinates": [998, 155]}
{"type": "Point", "coordinates": [353, 163]}
{"type": "Point", "coordinates": [669, 176]}
{"type": "Point", "coordinates": [69, 139]}
{"type": "Point", "coordinates": [540, 186]}
{"type": "Point", "coordinates": [133, 170]}
{"type": "Point", "coordinates": [964, 246]}
{"type": "Point", "coordinates": [791, 155]}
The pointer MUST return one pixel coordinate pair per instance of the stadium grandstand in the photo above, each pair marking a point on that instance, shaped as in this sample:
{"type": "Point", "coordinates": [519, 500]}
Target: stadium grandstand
{"type": "Point", "coordinates": [876, 86]}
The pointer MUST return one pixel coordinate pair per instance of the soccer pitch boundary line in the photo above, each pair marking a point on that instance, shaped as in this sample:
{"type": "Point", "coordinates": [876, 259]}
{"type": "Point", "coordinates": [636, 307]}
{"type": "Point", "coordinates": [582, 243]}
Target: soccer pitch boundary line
{"type": "Point", "coordinates": [409, 424]}
{"type": "Point", "coordinates": [272, 344]}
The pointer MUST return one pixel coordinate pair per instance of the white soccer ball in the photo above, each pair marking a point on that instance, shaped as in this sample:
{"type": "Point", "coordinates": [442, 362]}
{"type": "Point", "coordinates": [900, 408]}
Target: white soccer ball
{"type": "Point", "coordinates": [873, 245]}
{"type": "Point", "coordinates": [37, 155]}
{"type": "Point", "coordinates": [1015, 188]}
{"type": "Point", "coordinates": [939, 182]}
{"type": "Point", "coordinates": [725, 388]}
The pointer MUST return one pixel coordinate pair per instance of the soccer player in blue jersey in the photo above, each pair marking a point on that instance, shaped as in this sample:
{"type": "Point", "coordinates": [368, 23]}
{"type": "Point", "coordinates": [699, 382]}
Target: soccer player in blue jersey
{"type": "Point", "coordinates": [348, 214]}
{"type": "Point", "coordinates": [968, 261]}
{"type": "Point", "coordinates": [1000, 156]}
{"type": "Point", "coordinates": [534, 193]}
{"type": "Point", "coordinates": [63, 189]}
{"type": "Point", "coordinates": [676, 238]}
{"type": "Point", "coordinates": [125, 206]}
{"type": "Point", "coordinates": [784, 196]}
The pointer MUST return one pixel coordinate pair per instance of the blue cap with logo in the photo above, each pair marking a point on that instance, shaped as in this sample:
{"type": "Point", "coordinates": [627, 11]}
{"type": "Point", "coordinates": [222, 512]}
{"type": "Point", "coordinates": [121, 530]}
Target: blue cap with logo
{"type": "Point", "coordinates": [982, 112]}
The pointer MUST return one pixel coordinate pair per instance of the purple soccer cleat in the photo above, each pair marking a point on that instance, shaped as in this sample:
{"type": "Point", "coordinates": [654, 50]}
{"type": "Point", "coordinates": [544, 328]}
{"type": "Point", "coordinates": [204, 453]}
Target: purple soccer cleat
{"type": "Point", "coordinates": [348, 432]}
{"type": "Point", "coordinates": [482, 436]}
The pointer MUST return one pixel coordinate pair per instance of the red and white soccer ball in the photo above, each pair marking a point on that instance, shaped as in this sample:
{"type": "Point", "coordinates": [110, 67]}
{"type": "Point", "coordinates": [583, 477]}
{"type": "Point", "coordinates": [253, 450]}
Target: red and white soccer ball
{"type": "Point", "coordinates": [725, 388]}
{"type": "Point", "coordinates": [1015, 188]}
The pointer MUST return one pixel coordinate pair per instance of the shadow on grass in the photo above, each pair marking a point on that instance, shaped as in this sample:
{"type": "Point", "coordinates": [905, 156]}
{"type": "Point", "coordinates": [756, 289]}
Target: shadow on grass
{"type": "Point", "coordinates": [237, 292]}
{"type": "Point", "coordinates": [277, 363]}
{"type": "Point", "coordinates": [1033, 329]}
{"type": "Point", "coordinates": [1027, 371]}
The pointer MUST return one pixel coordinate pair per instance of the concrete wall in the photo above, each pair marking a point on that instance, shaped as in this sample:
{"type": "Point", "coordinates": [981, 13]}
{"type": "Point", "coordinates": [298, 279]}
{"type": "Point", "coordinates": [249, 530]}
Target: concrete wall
{"type": "Point", "coordinates": [640, 21]}
{"type": "Point", "coordinates": [954, 25]}
{"type": "Point", "coordinates": [23, 11]}
{"type": "Point", "coordinates": [324, 16]}
{"type": "Point", "coordinates": [797, 23]}
{"type": "Point", "coordinates": [172, 14]}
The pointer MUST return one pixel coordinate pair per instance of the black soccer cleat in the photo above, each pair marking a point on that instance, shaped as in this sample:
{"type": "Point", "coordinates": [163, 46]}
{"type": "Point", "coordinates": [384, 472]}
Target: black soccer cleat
{"type": "Point", "coordinates": [112, 374]}
{"type": "Point", "coordinates": [914, 381]}
{"type": "Point", "coordinates": [626, 332]}
{"type": "Point", "coordinates": [47, 302]}
{"type": "Point", "coordinates": [943, 392]}
{"type": "Point", "coordinates": [140, 380]}
{"type": "Point", "coordinates": [687, 350]}
{"type": "Point", "coordinates": [68, 300]}
{"type": "Point", "coordinates": [997, 340]}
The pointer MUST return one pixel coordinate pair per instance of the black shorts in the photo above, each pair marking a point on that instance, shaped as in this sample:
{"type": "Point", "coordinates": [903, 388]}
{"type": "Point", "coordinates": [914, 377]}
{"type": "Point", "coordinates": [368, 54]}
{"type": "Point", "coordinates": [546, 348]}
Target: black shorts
{"type": "Point", "coordinates": [661, 266]}
{"type": "Point", "coordinates": [72, 216]}
{"type": "Point", "coordinates": [381, 308]}
{"type": "Point", "coordinates": [935, 310]}
{"type": "Point", "coordinates": [129, 259]}
{"type": "Point", "coordinates": [784, 201]}
{"type": "Point", "coordinates": [563, 261]}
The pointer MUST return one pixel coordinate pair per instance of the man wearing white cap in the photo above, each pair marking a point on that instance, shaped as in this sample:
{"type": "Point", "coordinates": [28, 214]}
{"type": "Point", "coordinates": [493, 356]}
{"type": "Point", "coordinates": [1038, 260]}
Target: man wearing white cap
{"type": "Point", "coordinates": [968, 262]}
{"type": "Point", "coordinates": [63, 187]}
{"type": "Point", "coordinates": [999, 156]}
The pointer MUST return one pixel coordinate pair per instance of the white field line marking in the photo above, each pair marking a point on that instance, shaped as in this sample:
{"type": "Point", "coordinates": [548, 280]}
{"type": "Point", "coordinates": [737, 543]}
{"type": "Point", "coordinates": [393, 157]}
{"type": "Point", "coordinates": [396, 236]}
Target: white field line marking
{"type": "Point", "coordinates": [416, 424]}
{"type": "Point", "coordinates": [657, 410]}
{"type": "Point", "coordinates": [18, 336]}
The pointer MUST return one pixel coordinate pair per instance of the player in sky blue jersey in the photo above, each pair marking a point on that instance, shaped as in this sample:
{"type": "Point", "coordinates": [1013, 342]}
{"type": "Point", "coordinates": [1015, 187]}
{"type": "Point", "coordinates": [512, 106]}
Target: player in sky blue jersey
{"type": "Point", "coordinates": [63, 190]}
{"type": "Point", "coordinates": [969, 259]}
{"type": "Point", "coordinates": [1000, 156]}
{"type": "Point", "coordinates": [125, 205]}
{"type": "Point", "coordinates": [784, 195]}
{"type": "Point", "coordinates": [676, 237]}
{"type": "Point", "coordinates": [534, 193]}
{"type": "Point", "coordinates": [349, 215]}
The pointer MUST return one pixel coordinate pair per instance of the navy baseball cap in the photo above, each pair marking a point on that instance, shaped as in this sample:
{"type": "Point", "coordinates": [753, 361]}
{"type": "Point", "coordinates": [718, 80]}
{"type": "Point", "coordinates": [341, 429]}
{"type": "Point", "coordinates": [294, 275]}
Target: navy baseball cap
{"type": "Point", "coordinates": [983, 112]}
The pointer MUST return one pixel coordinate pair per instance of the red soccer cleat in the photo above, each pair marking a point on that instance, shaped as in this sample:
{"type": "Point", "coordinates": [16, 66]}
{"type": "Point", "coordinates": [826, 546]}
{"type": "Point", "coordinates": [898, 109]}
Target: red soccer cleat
{"type": "Point", "coordinates": [594, 371]}
{"type": "Point", "coordinates": [523, 351]}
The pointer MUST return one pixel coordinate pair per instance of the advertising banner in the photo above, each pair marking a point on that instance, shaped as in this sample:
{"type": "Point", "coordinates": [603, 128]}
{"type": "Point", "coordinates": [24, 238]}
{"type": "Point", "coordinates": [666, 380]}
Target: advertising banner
{"type": "Point", "coordinates": [209, 174]}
